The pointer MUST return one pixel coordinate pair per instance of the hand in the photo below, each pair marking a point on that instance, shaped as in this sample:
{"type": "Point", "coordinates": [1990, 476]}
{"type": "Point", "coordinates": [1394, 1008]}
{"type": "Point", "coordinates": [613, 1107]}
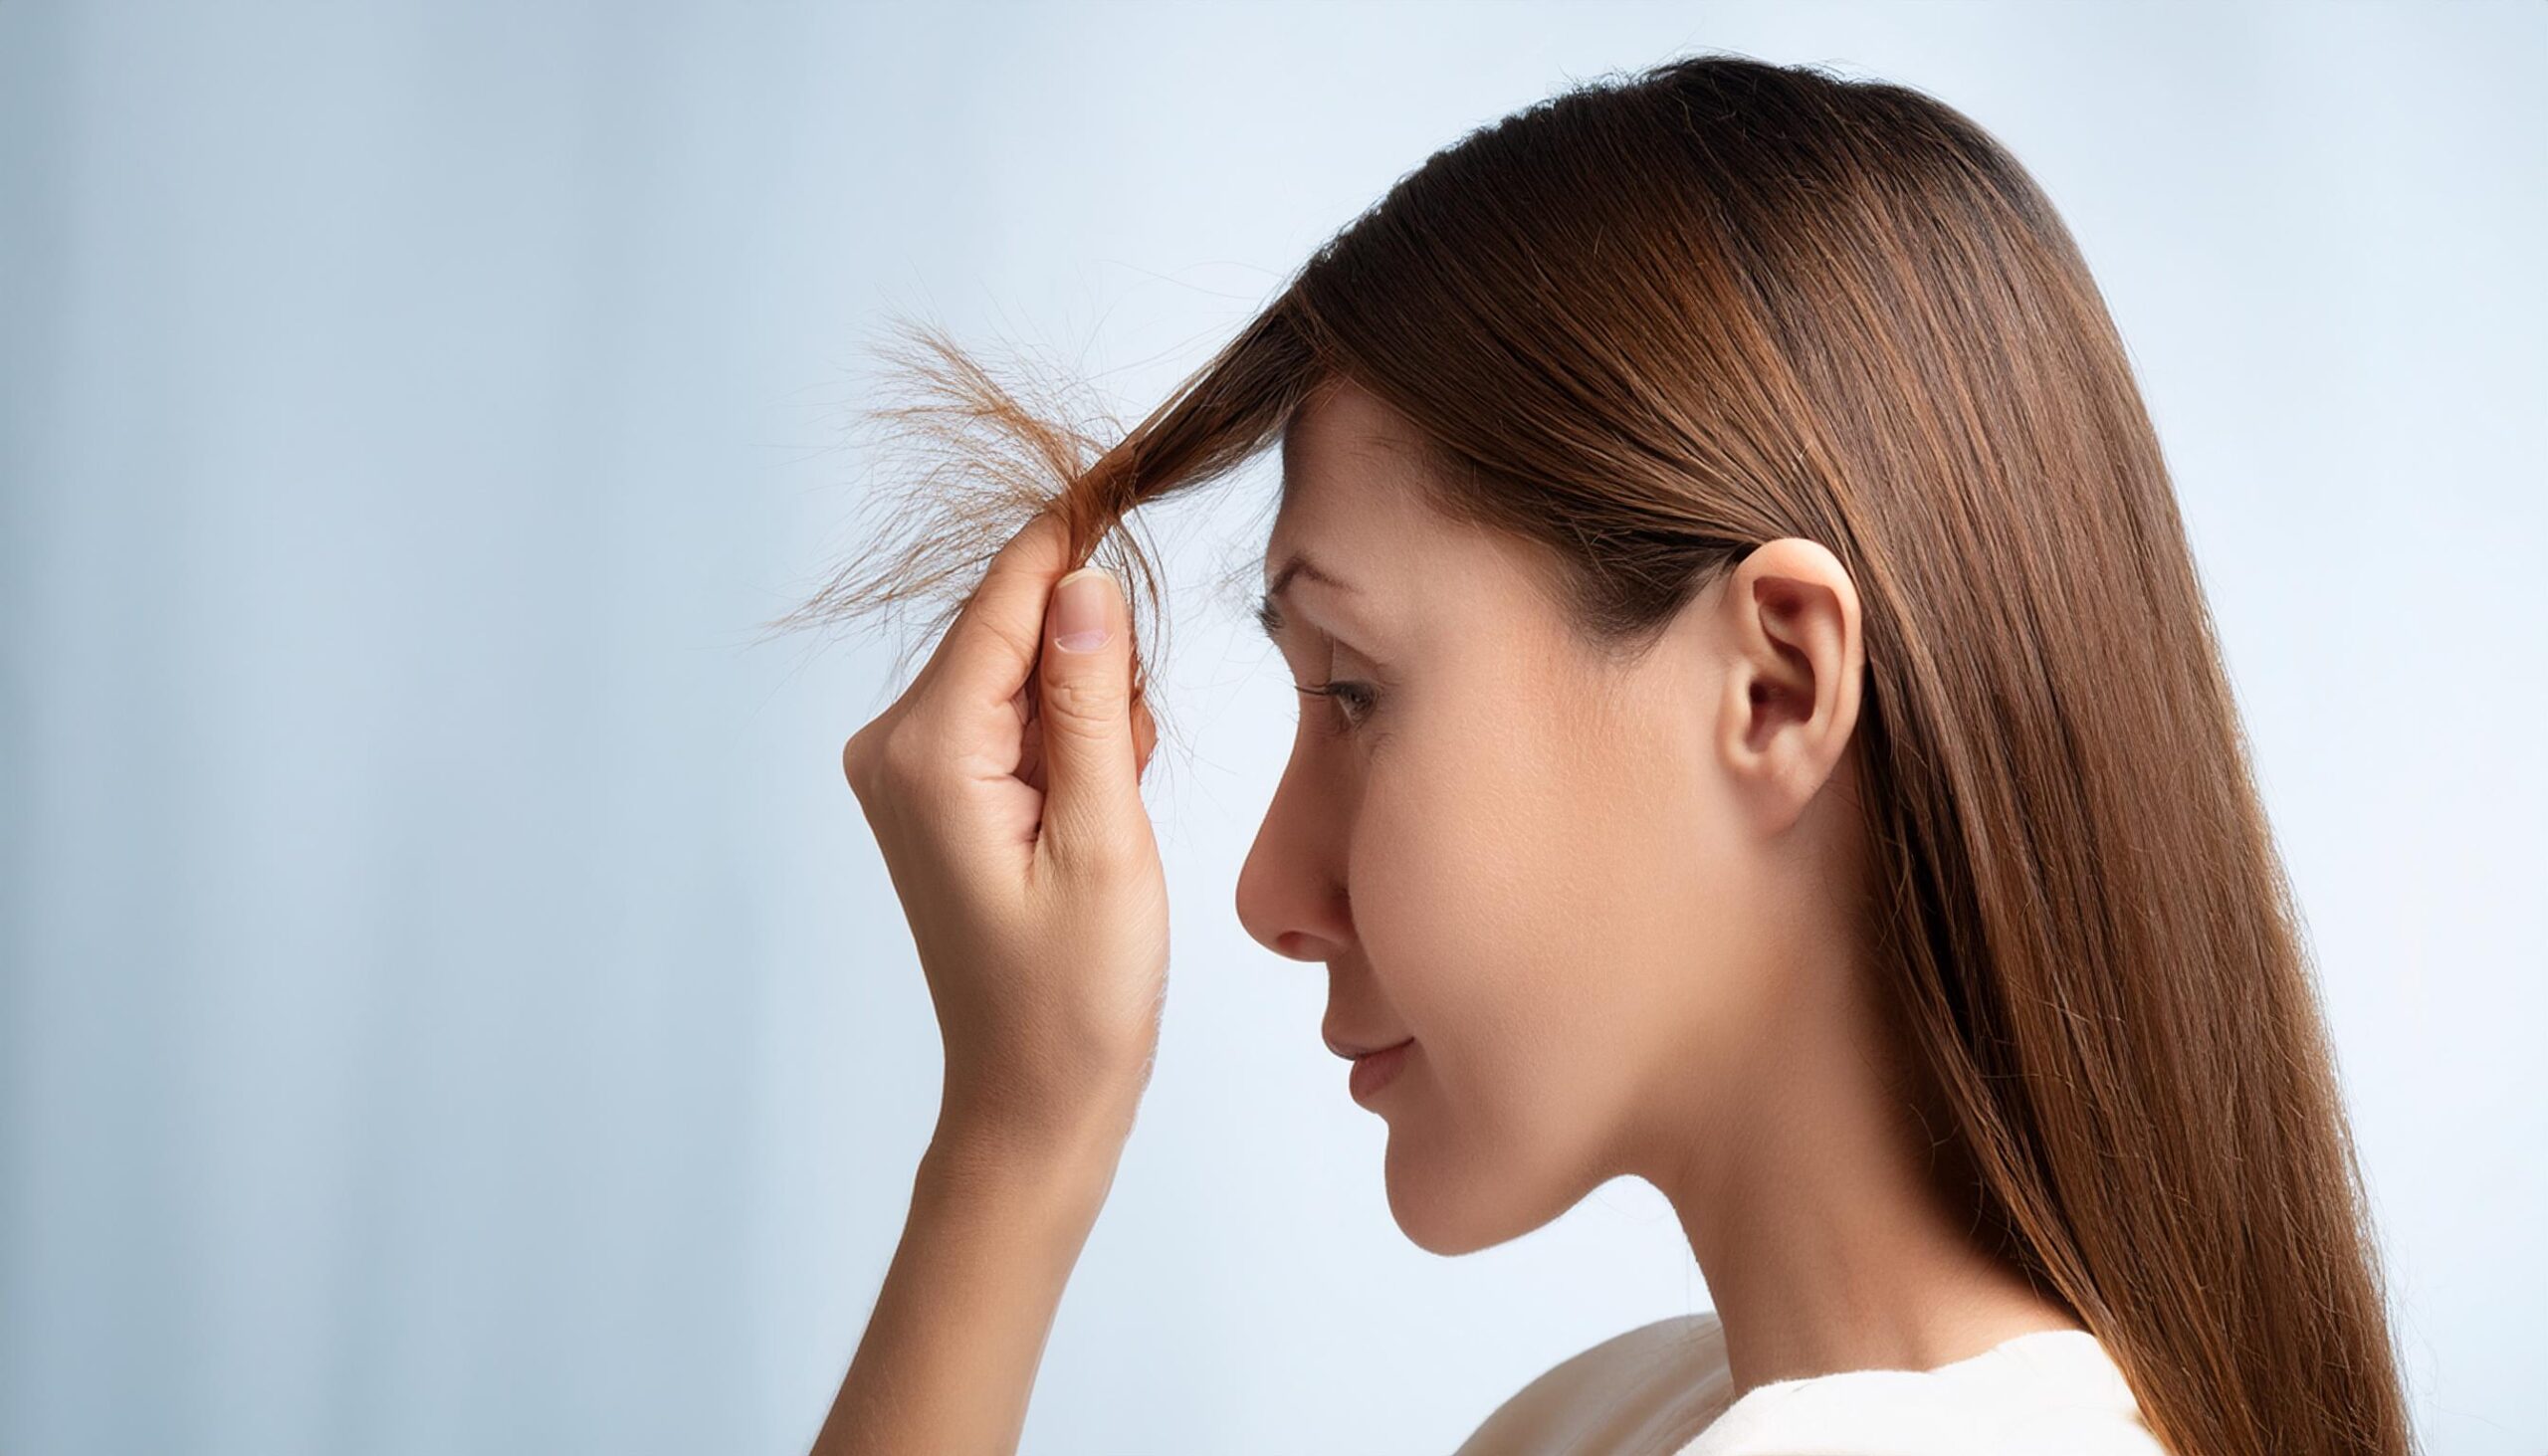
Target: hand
{"type": "Point", "coordinates": [1003, 788]}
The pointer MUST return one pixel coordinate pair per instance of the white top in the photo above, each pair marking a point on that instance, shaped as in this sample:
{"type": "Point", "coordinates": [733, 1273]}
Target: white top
{"type": "Point", "coordinates": [1662, 1389]}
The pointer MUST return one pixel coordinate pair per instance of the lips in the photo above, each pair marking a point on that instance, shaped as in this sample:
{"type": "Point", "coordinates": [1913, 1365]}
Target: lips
{"type": "Point", "coordinates": [1354, 1050]}
{"type": "Point", "coordinates": [1374, 1071]}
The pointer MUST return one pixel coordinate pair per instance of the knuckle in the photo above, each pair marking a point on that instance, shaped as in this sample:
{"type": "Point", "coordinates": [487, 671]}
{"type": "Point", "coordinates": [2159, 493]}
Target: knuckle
{"type": "Point", "coordinates": [1020, 640]}
{"type": "Point", "coordinates": [1083, 704]}
{"type": "Point", "coordinates": [858, 758]}
{"type": "Point", "coordinates": [883, 758]}
{"type": "Point", "coordinates": [901, 756]}
{"type": "Point", "coordinates": [1107, 845]}
{"type": "Point", "coordinates": [1098, 859]}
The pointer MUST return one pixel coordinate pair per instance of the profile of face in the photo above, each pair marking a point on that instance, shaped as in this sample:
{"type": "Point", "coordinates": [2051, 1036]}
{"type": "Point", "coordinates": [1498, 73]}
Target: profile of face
{"type": "Point", "coordinates": [1603, 899]}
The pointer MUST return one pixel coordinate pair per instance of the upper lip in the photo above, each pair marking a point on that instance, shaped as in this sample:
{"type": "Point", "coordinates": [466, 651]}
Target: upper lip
{"type": "Point", "coordinates": [1351, 1050]}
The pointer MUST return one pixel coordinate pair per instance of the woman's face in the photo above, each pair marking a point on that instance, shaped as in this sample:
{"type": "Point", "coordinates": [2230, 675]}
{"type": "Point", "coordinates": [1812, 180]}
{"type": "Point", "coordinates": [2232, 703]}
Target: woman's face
{"type": "Point", "coordinates": [1566, 880]}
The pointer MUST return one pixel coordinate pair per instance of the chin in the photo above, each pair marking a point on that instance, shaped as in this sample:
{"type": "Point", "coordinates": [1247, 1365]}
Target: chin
{"type": "Point", "coordinates": [1462, 1202]}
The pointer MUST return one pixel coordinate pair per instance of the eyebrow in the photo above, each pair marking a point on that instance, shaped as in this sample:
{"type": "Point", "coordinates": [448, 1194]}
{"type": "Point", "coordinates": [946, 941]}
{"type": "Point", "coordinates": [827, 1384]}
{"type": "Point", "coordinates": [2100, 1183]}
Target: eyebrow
{"type": "Point", "coordinates": [1268, 615]}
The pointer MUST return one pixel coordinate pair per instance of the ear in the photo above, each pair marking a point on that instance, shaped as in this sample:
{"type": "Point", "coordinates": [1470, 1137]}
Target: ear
{"type": "Point", "coordinates": [1797, 660]}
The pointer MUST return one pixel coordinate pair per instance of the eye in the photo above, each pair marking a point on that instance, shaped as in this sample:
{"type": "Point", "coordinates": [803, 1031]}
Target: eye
{"type": "Point", "coordinates": [1354, 701]}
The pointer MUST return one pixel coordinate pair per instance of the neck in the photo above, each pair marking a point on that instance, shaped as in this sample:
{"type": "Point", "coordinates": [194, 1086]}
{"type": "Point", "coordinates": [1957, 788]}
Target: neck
{"type": "Point", "coordinates": [1826, 1238]}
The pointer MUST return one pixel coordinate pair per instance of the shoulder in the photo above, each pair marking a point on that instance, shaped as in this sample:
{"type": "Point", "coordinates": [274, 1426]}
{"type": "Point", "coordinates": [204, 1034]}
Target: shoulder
{"type": "Point", "coordinates": [1643, 1390]}
{"type": "Point", "coordinates": [2054, 1390]}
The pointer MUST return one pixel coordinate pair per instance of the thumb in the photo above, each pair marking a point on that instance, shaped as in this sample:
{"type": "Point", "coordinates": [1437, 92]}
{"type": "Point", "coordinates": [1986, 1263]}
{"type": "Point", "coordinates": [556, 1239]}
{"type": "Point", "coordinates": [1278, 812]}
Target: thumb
{"type": "Point", "coordinates": [1092, 784]}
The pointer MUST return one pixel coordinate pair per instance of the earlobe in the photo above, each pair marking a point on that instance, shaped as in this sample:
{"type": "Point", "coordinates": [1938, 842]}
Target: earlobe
{"type": "Point", "coordinates": [1798, 666]}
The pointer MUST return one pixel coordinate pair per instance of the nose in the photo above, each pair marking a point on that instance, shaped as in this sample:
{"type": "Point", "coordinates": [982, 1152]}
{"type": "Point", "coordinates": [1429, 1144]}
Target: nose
{"type": "Point", "coordinates": [1291, 890]}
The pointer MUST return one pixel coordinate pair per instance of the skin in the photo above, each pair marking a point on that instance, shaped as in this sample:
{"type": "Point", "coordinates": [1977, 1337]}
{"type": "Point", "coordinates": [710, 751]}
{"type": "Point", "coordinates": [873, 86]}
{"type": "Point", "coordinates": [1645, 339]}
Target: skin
{"type": "Point", "coordinates": [1013, 827]}
{"type": "Point", "coordinates": [1615, 906]}
{"type": "Point", "coordinates": [1610, 903]}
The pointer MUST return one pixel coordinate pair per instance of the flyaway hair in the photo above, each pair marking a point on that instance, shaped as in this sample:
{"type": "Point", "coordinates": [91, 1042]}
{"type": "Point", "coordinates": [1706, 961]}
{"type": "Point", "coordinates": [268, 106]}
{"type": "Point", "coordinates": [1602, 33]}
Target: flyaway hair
{"type": "Point", "coordinates": [1654, 322]}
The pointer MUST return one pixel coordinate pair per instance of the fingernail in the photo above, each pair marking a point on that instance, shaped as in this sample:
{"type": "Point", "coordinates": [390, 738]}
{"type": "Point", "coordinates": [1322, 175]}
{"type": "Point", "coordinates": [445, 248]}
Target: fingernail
{"type": "Point", "coordinates": [1082, 620]}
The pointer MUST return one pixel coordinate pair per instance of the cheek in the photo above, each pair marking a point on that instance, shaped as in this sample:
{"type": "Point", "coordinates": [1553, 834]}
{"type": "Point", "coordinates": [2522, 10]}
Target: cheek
{"type": "Point", "coordinates": [1522, 904]}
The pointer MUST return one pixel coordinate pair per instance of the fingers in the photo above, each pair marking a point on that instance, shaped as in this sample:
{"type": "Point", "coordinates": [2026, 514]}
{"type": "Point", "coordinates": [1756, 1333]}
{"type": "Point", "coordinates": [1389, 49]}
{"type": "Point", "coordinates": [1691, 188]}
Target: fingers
{"type": "Point", "coordinates": [989, 651]}
{"type": "Point", "coordinates": [1092, 764]}
{"type": "Point", "coordinates": [1144, 736]}
{"type": "Point", "coordinates": [988, 661]}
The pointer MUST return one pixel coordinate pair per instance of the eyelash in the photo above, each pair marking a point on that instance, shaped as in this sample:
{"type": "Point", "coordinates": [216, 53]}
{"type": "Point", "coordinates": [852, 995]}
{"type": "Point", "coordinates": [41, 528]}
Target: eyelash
{"type": "Point", "coordinates": [1355, 700]}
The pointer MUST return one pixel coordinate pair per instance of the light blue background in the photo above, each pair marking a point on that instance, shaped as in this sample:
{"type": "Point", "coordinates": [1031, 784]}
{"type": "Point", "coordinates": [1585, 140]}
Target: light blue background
{"type": "Point", "coordinates": [452, 1001]}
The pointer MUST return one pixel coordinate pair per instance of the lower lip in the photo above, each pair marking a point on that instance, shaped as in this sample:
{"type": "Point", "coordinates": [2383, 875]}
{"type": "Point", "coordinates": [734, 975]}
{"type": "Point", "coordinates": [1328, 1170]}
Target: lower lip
{"type": "Point", "coordinates": [1374, 1071]}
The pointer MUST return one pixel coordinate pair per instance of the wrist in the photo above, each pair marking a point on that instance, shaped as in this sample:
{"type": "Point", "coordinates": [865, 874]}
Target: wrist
{"type": "Point", "coordinates": [1062, 1167]}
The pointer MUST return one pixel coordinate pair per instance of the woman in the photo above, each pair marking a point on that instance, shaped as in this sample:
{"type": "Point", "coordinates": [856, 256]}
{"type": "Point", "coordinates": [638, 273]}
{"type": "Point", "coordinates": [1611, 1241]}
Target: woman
{"type": "Point", "coordinates": [1765, 735]}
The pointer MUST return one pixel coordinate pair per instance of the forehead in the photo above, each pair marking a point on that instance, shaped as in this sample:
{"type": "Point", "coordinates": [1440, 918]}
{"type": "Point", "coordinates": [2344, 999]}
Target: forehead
{"type": "Point", "coordinates": [1350, 489]}
{"type": "Point", "coordinates": [1419, 582]}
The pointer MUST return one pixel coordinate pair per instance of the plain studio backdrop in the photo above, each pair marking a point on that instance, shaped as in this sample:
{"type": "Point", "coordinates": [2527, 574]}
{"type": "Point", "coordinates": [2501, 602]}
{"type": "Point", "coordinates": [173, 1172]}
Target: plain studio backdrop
{"type": "Point", "coordinates": [453, 1002]}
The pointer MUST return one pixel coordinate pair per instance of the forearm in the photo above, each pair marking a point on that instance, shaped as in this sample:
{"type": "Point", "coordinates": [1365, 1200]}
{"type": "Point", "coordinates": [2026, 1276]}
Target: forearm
{"type": "Point", "coordinates": [950, 1351]}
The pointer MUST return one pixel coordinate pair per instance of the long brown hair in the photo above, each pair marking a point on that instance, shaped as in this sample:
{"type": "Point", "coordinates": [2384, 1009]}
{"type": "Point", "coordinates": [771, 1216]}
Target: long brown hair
{"type": "Point", "coordinates": [1652, 321]}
